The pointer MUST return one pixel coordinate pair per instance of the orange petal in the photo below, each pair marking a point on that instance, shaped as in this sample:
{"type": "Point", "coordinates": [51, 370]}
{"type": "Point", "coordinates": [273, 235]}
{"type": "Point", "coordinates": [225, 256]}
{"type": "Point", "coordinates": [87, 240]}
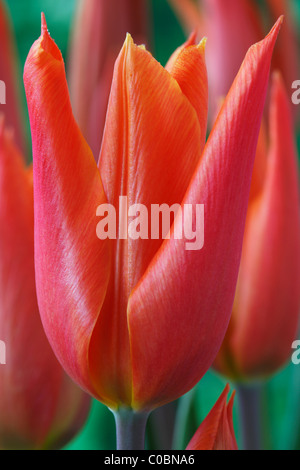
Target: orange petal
{"type": "Point", "coordinates": [189, 70]}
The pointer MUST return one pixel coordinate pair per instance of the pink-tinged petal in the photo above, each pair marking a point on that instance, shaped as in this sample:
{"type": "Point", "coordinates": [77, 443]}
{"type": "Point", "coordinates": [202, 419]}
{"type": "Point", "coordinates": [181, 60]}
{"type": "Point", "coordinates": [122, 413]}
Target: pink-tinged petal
{"type": "Point", "coordinates": [99, 30]}
{"type": "Point", "coordinates": [151, 146]}
{"type": "Point", "coordinates": [266, 311]}
{"type": "Point", "coordinates": [216, 432]}
{"type": "Point", "coordinates": [32, 380]}
{"type": "Point", "coordinates": [72, 264]}
{"type": "Point", "coordinates": [179, 311]}
{"type": "Point", "coordinates": [232, 27]}
{"type": "Point", "coordinates": [8, 74]}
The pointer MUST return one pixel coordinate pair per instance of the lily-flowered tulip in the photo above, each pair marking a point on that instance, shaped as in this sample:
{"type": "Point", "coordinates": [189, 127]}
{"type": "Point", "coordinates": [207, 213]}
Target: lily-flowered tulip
{"type": "Point", "coordinates": [232, 26]}
{"type": "Point", "coordinates": [137, 323]}
{"type": "Point", "coordinates": [216, 432]}
{"type": "Point", "coordinates": [8, 75]}
{"type": "Point", "coordinates": [265, 315]}
{"type": "Point", "coordinates": [98, 34]}
{"type": "Point", "coordinates": [40, 407]}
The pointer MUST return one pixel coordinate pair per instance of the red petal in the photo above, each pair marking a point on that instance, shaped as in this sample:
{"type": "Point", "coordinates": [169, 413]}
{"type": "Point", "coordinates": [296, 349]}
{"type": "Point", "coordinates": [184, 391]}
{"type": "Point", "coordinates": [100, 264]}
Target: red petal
{"type": "Point", "coordinates": [72, 264]}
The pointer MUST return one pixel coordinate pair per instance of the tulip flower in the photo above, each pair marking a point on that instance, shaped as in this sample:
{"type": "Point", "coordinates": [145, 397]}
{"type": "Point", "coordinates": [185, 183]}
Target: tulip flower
{"type": "Point", "coordinates": [8, 75]}
{"type": "Point", "coordinates": [232, 26]}
{"type": "Point", "coordinates": [265, 314]}
{"type": "Point", "coordinates": [98, 34]}
{"type": "Point", "coordinates": [216, 432]}
{"type": "Point", "coordinates": [137, 323]}
{"type": "Point", "coordinates": [39, 407]}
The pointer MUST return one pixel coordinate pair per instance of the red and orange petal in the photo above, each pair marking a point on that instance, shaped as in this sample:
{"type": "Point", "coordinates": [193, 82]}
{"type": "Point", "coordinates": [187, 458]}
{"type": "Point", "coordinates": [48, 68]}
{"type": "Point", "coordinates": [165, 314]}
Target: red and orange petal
{"type": "Point", "coordinates": [216, 432]}
{"type": "Point", "coordinates": [173, 311]}
{"type": "Point", "coordinates": [72, 264]}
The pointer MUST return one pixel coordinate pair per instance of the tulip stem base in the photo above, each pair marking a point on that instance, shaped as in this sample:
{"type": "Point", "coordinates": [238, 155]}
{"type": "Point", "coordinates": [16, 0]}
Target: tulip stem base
{"type": "Point", "coordinates": [130, 429]}
{"type": "Point", "coordinates": [249, 404]}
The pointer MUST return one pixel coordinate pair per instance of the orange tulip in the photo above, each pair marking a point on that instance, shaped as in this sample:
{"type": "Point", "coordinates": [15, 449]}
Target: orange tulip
{"type": "Point", "coordinates": [137, 323]}
{"type": "Point", "coordinates": [98, 34]}
{"type": "Point", "coordinates": [266, 309]}
{"type": "Point", "coordinates": [216, 432]}
{"type": "Point", "coordinates": [39, 406]}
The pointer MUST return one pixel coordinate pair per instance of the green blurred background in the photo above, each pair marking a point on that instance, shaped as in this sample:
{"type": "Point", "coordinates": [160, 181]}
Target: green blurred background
{"type": "Point", "coordinates": [281, 404]}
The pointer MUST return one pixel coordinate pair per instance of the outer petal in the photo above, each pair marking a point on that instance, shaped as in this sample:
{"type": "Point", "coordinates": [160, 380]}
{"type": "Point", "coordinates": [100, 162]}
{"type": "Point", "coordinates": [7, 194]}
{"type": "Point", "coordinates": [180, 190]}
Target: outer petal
{"type": "Point", "coordinates": [216, 431]}
{"type": "Point", "coordinates": [72, 264]}
{"type": "Point", "coordinates": [179, 312]}
{"type": "Point", "coordinates": [266, 312]}
{"type": "Point", "coordinates": [32, 380]}
{"type": "Point", "coordinates": [151, 146]}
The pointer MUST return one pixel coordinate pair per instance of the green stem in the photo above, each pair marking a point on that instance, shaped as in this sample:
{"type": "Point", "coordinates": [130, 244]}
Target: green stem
{"type": "Point", "coordinates": [182, 417]}
{"type": "Point", "coordinates": [249, 403]}
{"type": "Point", "coordinates": [130, 429]}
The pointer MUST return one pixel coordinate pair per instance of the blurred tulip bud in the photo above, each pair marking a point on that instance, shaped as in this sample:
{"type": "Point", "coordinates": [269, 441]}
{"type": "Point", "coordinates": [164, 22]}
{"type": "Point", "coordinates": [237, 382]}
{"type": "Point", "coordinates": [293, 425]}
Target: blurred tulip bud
{"type": "Point", "coordinates": [216, 432]}
{"type": "Point", "coordinates": [39, 405]}
{"type": "Point", "coordinates": [265, 316]}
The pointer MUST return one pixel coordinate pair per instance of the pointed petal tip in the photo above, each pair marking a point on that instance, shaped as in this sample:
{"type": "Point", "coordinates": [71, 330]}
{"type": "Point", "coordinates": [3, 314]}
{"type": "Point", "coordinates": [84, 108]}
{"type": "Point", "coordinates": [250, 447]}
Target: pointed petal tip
{"type": "Point", "coordinates": [128, 39]}
{"type": "Point", "coordinates": [44, 27]}
{"type": "Point", "coordinates": [276, 28]}
{"type": "Point", "coordinates": [202, 44]}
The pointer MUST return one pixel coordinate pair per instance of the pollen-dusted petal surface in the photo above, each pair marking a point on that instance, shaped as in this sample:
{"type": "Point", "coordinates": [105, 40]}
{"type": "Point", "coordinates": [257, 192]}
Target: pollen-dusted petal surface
{"type": "Point", "coordinates": [179, 311]}
{"type": "Point", "coordinates": [72, 264]}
